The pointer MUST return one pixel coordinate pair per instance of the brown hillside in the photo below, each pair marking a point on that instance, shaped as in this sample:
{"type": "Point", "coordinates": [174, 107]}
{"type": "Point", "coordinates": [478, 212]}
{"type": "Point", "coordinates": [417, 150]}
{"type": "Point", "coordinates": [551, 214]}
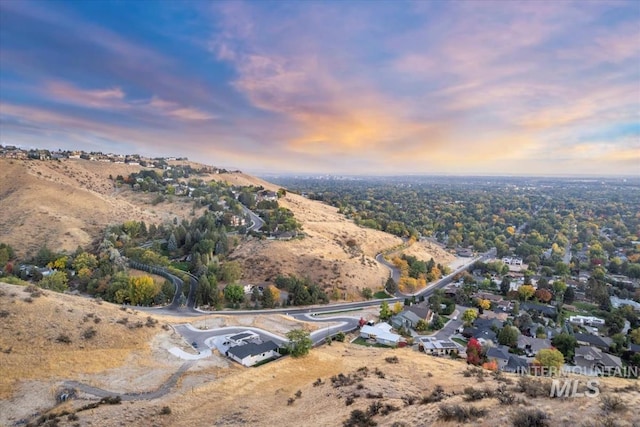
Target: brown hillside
{"type": "Point", "coordinates": [69, 203]}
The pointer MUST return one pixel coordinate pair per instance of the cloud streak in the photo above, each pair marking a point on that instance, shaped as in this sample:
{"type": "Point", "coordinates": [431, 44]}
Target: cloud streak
{"type": "Point", "coordinates": [440, 87]}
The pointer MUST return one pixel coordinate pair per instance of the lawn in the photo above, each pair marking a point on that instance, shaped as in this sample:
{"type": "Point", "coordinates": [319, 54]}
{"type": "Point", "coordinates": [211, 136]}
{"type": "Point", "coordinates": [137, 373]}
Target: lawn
{"type": "Point", "coordinates": [366, 343]}
{"type": "Point", "coordinates": [460, 341]}
{"type": "Point", "coordinates": [381, 295]}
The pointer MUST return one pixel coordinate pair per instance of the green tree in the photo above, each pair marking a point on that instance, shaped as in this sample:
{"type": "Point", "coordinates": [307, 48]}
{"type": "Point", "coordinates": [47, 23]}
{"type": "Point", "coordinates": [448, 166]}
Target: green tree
{"type": "Point", "coordinates": [234, 294]}
{"type": "Point", "coordinates": [299, 342]}
{"type": "Point", "coordinates": [469, 316]}
{"type": "Point", "coordinates": [505, 285]}
{"type": "Point", "coordinates": [549, 358]}
{"type": "Point", "coordinates": [230, 271]}
{"type": "Point", "coordinates": [566, 343]}
{"type": "Point", "coordinates": [437, 323]}
{"type": "Point", "coordinates": [56, 281]}
{"type": "Point", "coordinates": [391, 286]}
{"type": "Point", "coordinates": [508, 336]}
{"type": "Point", "coordinates": [569, 296]}
{"type": "Point", "coordinates": [385, 311]}
{"type": "Point", "coordinates": [367, 293]}
{"type": "Point", "coordinates": [635, 336]}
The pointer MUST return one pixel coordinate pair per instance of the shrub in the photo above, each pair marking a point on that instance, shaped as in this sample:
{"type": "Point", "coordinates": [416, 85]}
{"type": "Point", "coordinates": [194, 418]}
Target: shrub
{"type": "Point", "coordinates": [28, 299]}
{"type": "Point", "coordinates": [392, 359]}
{"type": "Point", "coordinates": [409, 400]}
{"type": "Point", "coordinates": [4, 313]}
{"type": "Point", "coordinates": [89, 333]}
{"type": "Point", "coordinates": [290, 401]}
{"type": "Point", "coordinates": [165, 410]}
{"type": "Point", "coordinates": [459, 413]}
{"type": "Point", "coordinates": [530, 418]}
{"type": "Point", "coordinates": [317, 382]}
{"type": "Point", "coordinates": [612, 403]}
{"type": "Point", "coordinates": [359, 418]}
{"type": "Point", "coordinates": [350, 400]}
{"type": "Point", "coordinates": [298, 394]}
{"type": "Point", "coordinates": [436, 395]}
{"type": "Point", "coordinates": [63, 338]}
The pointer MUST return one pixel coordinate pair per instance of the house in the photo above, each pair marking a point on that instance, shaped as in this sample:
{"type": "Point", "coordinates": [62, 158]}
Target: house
{"type": "Point", "coordinates": [499, 355]}
{"type": "Point", "coordinates": [436, 347]}
{"type": "Point", "coordinates": [531, 346]}
{"type": "Point", "coordinates": [512, 260]}
{"type": "Point", "coordinates": [465, 252]}
{"type": "Point", "coordinates": [516, 364]}
{"type": "Point", "coordinates": [586, 320]}
{"type": "Point", "coordinates": [489, 296]}
{"type": "Point", "coordinates": [593, 361]}
{"type": "Point", "coordinates": [251, 353]}
{"type": "Point", "coordinates": [405, 319]}
{"type": "Point", "coordinates": [593, 341]}
{"type": "Point", "coordinates": [619, 302]}
{"type": "Point", "coordinates": [241, 339]}
{"type": "Point", "coordinates": [544, 310]}
{"type": "Point", "coordinates": [381, 333]}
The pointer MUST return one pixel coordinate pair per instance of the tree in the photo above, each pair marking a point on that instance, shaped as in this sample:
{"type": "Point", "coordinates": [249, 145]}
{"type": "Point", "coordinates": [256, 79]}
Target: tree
{"type": "Point", "coordinates": [484, 304]}
{"type": "Point", "coordinates": [469, 316]}
{"type": "Point", "coordinates": [566, 344]}
{"type": "Point", "coordinates": [437, 322]}
{"type": "Point", "coordinates": [172, 244]}
{"type": "Point", "coordinates": [230, 271]}
{"type": "Point", "coordinates": [569, 295]}
{"type": "Point", "coordinates": [635, 336]}
{"type": "Point", "coordinates": [559, 287]}
{"type": "Point", "coordinates": [299, 342]}
{"type": "Point", "coordinates": [549, 358]}
{"type": "Point", "coordinates": [526, 291]}
{"type": "Point", "coordinates": [543, 295]}
{"type": "Point", "coordinates": [508, 336]}
{"type": "Point", "coordinates": [270, 296]}
{"type": "Point", "coordinates": [505, 286]}
{"type": "Point", "coordinates": [385, 311]}
{"type": "Point", "coordinates": [56, 281]}
{"type": "Point", "coordinates": [474, 352]}
{"type": "Point", "coordinates": [390, 286]}
{"type": "Point", "coordinates": [367, 293]}
{"type": "Point", "coordinates": [142, 290]}
{"type": "Point", "coordinates": [234, 294]}
{"type": "Point", "coordinates": [422, 325]}
{"type": "Point", "coordinates": [397, 307]}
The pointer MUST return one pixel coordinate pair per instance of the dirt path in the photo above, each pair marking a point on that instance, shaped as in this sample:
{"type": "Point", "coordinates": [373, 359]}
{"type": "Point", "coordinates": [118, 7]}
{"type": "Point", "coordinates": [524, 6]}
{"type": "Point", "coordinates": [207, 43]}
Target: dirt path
{"type": "Point", "coordinates": [147, 395]}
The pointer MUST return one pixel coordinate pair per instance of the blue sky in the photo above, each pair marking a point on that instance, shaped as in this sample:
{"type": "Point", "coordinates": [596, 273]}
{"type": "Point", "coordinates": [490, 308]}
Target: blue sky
{"type": "Point", "coordinates": [358, 87]}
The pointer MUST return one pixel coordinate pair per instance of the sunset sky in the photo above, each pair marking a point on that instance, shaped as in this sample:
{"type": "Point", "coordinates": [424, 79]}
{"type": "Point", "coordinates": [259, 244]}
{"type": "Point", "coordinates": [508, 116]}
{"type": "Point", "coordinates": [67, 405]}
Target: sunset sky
{"type": "Point", "coordinates": [340, 87]}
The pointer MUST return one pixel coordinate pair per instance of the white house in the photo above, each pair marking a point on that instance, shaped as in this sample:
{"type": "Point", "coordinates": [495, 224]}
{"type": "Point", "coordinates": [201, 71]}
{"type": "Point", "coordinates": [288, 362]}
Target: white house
{"type": "Point", "coordinates": [436, 347]}
{"type": "Point", "coordinates": [586, 320]}
{"type": "Point", "coordinates": [241, 339]}
{"type": "Point", "coordinates": [251, 353]}
{"type": "Point", "coordinates": [381, 333]}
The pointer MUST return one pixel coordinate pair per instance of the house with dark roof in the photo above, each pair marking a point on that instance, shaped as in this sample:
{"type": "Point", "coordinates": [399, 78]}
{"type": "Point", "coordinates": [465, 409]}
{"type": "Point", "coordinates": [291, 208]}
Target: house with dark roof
{"type": "Point", "coordinates": [531, 346]}
{"type": "Point", "coordinates": [410, 316]}
{"type": "Point", "coordinates": [499, 355]}
{"type": "Point", "coordinates": [544, 310]}
{"type": "Point", "coordinates": [251, 353]}
{"type": "Point", "coordinates": [595, 362]}
{"type": "Point", "coordinates": [592, 340]}
{"type": "Point", "coordinates": [516, 364]}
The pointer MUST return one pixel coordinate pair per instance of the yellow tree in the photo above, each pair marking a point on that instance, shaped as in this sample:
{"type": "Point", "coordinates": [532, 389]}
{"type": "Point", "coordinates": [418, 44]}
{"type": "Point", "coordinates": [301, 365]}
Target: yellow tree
{"type": "Point", "coordinates": [526, 291]}
{"type": "Point", "coordinates": [397, 307]}
{"type": "Point", "coordinates": [59, 264]}
{"type": "Point", "coordinates": [549, 358]}
{"type": "Point", "coordinates": [484, 304]}
{"type": "Point", "coordinates": [142, 290]}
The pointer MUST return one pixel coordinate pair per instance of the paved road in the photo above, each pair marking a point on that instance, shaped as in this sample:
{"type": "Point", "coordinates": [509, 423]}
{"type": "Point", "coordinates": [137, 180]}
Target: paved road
{"type": "Point", "coordinates": [256, 221]}
{"type": "Point", "coordinates": [395, 272]}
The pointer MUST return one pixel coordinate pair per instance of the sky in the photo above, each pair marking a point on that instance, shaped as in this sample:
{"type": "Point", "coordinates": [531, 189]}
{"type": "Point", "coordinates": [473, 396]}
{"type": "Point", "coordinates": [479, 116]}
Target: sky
{"type": "Point", "coordinates": [337, 87]}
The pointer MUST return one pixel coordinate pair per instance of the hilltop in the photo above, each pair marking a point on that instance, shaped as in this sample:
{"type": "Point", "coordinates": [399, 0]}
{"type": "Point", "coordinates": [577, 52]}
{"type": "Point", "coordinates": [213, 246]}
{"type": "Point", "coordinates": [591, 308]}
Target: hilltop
{"type": "Point", "coordinates": [69, 202]}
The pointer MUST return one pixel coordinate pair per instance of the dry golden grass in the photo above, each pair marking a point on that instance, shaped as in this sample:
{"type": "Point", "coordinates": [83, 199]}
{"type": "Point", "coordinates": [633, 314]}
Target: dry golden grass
{"type": "Point", "coordinates": [259, 396]}
{"type": "Point", "coordinates": [31, 332]}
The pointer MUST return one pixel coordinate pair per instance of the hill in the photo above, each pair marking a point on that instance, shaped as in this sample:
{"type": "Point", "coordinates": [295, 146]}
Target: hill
{"type": "Point", "coordinates": [68, 203]}
{"type": "Point", "coordinates": [394, 387]}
